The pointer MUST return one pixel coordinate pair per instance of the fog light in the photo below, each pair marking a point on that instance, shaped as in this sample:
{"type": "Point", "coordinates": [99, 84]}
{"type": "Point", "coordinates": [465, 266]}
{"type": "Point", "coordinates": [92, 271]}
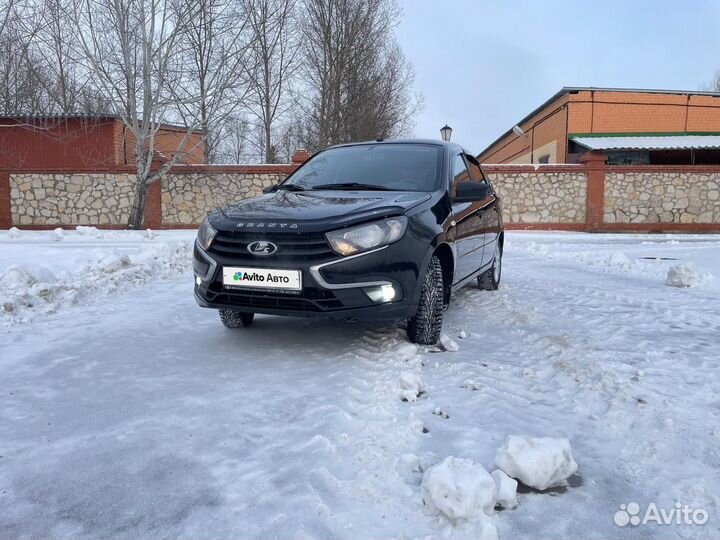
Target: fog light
{"type": "Point", "coordinates": [198, 281]}
{"type": "Point", "coordinates": [383, 293]}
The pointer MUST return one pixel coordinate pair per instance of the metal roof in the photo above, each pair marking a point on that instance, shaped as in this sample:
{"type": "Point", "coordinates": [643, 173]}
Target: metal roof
{"type": "Point", "coordinates": [644, 142]}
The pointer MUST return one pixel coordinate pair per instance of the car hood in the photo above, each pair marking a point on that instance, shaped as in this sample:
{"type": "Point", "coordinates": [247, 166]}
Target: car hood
{"type": "Point", "coordinates": [314, 210]}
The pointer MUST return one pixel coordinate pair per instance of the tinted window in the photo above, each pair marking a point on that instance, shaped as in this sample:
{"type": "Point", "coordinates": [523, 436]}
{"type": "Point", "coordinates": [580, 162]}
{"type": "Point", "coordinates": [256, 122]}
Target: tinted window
{"type": "Point", "coordinates": [475, 172]}
{"type": "Point", "coordinates": [459, 170]}
{"type": "Point", "coordinates": [402, 167]}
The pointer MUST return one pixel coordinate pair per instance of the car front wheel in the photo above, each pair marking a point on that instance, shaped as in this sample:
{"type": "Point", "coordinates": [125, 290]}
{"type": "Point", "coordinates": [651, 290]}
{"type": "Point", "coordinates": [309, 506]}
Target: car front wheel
{"type": "Point", "coordinates": [425, 327]}
{"type": "Point", "coordinates": [235, 319]}
{"type": "Point", "coordinates": [489, 280]}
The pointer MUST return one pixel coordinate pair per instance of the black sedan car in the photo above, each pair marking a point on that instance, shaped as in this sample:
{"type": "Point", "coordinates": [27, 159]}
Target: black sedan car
{"type": "Point", "coordinates": [381, 230]}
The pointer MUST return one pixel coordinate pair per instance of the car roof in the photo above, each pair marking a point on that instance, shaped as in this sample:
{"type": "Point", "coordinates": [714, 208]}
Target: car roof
{"type": "Point", "coordinates": [433, 142]}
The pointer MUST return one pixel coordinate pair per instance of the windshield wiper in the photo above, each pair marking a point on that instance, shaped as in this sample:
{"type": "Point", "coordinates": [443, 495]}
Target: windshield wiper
{"type": "Point", "coordinates": [290, 187]}
{"type": "Point", "coordinates": [353, 185]}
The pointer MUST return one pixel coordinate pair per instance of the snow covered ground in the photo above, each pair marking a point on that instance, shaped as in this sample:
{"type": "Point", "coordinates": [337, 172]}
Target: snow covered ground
{"type": "Point", "coordinates": [128, 412]}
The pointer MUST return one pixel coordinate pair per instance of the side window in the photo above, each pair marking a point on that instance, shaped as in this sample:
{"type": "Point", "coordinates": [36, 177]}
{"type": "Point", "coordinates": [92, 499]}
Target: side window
{"type": "Point", "coordinates": [459, 170]}
{"type": "Point", "coordinates": [544, 159]}
{"type": "Point", "coordinates": [476, 173]}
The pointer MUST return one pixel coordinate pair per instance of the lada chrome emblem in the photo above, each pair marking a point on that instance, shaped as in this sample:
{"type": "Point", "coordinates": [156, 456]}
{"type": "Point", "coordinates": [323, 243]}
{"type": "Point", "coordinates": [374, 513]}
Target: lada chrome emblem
{"type": "Point", "coordinates": [262, 248]}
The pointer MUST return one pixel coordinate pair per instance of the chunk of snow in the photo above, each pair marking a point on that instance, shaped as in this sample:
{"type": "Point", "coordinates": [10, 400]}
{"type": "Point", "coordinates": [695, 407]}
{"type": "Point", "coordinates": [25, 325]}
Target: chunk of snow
{"type": "Point", "coordinates": [410, 467]}
{"type": "Point", "coordinates": [618, 258]}
{"type": "Point", "coordinates": [448, 343]}
{"type": "Point", "coordinates": [14, 232]}
{"type": "Point", "coordinates": [411, 385]}
{"type": "Point", "coordinates": [462, 334]}
{"type": "Point", "coordinates": [17, 277]}
{"type": "Point", "coordinates": [471, 385]}
{"type": "Point", "coordinates": [538, 462]}
{"type": "Point", "coordinates": [506, 489]}
{"type": "Point", "coordinates": [115, 262]}
{"type": "Point", "coordinates": [58, 234]}
{"type": "Point", "coordinates": [417, 426]}
{"type": "Point", "coordinates": [405, 351]}
{"type": "Point", "coordinates": [84, 230]}
{"type": "Point", "coordinates": [458, 489]}
{"type": "Point", "coordinates": [682, 275]}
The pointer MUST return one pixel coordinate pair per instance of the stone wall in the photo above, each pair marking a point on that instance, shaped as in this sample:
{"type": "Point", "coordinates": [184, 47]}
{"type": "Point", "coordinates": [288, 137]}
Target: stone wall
{"type": "Point", "coordinates": [70, 199]}
{"type": "Point", "coordinates": [187, 197]}
{"type": "Point", "coordinates": [546, 195]}
{"type": "Point", "coordinates": [662, 197]}
{"type": "Point", "coordinates": [586, 197]}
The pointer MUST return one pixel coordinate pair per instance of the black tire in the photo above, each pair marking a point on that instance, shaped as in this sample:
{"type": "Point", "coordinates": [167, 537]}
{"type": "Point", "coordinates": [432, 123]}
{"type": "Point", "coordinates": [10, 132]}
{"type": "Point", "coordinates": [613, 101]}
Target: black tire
{"type": "Point", "coordinates": [426, 326]}
{"type": "Point", "coordinates": [489, 280]}
{"type": "Point", "coordinates": [235, 319]}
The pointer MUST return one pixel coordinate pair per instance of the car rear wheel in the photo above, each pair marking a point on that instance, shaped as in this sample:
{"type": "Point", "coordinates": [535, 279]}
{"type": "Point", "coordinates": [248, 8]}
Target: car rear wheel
{"type": "Point", "coordinates": [490, 279]}
{"type": "Point", "coordinates": [425, 327]}
{"type": "Point", "coordinates": [235, 319]}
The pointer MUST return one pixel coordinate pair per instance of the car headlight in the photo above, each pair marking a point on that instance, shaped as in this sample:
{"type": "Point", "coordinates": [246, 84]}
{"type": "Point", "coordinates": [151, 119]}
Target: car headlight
{"type": "Point", "coordinates": [206, 234]}
{"type": "Point", "coordinates": [369, 236]}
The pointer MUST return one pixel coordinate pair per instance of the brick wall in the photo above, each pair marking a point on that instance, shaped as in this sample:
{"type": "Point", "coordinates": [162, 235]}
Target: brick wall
{"type": "Point", "coordinates": [546, 127]}
{"type": "Point", "coordinates": [585, 112]}
{"type": "Point", "coordinates": [167, 141]}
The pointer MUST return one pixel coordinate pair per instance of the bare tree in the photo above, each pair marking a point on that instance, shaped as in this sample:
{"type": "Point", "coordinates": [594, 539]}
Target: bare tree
{"type": "Point", "coordinates": [356, 76]}
{"type": "Point", "coordinates": [19, 89]}
{"type": "Point", "coordinates": [54, 67]}
{"type": "Point", "coordinates": [233, 145]}
{"type": "Point", "coordinates": [130, 48]}
{"type": "Point", "coordinates": [213, 65]}
{"type": "Point", "coordinates": [274, 51]}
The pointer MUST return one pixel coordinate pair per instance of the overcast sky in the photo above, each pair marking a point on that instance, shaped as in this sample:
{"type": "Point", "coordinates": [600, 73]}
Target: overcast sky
{"type": "Point", "coordinates": [483, 65]}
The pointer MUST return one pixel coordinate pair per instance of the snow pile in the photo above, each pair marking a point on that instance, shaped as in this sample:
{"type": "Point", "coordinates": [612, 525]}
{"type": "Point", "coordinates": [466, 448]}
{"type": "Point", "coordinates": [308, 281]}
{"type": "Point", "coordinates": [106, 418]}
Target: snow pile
{"type": "Point", "coordinates": [541, 462]}
{"type": "Point", "coordinates": [411, 386]}
{"type": "Point", "coordinates": [89, 231]}
{"type": "Point", "coordinates": [683, 275]}
{"type": "Point", "coordinates": [28, 290]}
{"type": "Point", "coordinates": [448, 343]}
{"type": "Point", "coordinates": [458, 489]}
{"type": "Point", "coordinates": [619, 260]}
{"type": "Point", "coordinates": [506, 489]}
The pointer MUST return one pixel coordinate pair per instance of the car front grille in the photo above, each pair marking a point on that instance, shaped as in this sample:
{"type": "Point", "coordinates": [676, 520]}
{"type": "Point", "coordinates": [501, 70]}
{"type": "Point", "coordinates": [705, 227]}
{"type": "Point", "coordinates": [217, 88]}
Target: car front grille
{"type": "Point", "coordinates": [291, 246]}
{"type": "Point", "coordinates": [310, 299]}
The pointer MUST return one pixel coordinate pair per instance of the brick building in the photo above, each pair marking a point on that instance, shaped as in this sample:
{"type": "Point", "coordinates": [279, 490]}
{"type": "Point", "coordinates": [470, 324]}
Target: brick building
{"type": "Point", "coordinates": [83, 143]}
{"type": "Point", "coordinates": [631, 127]}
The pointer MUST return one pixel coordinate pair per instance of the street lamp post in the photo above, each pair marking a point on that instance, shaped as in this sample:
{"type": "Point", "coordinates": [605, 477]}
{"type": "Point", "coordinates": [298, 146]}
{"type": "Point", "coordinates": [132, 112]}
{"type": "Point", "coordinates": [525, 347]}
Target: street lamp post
{"type": "Point", "coordinates": [446, 133]}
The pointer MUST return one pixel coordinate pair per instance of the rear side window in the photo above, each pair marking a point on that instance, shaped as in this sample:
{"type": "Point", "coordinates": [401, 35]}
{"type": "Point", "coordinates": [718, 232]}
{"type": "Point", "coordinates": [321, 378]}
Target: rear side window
{"type": "Point", "coordinates": [459, 170]}
{"type": "Point", "coordinates": [476, 173]}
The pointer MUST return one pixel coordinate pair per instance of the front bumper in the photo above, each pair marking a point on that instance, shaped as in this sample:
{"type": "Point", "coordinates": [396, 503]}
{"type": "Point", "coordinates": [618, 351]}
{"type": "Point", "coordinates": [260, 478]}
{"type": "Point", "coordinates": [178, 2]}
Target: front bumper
{"type": "Point", "coordinates": [332, 287]}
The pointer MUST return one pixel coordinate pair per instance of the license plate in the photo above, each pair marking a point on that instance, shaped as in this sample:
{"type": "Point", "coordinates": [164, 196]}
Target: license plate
{"type": "Point", "coordinates": [261, 278]}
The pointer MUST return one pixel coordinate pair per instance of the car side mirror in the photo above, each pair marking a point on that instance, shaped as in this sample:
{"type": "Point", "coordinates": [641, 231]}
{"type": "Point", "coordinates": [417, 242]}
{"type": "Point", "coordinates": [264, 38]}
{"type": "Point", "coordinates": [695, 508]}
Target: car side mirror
{"type": "Point", "coordinates": [471, 191]}
{"type": "Point", "coordinates": [270, 189]}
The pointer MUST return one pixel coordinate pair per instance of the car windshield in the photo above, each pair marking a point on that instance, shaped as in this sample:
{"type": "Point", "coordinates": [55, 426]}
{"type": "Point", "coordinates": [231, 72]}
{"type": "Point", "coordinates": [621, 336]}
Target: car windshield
{"type": "Point", "coordinates": [397, 167]}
